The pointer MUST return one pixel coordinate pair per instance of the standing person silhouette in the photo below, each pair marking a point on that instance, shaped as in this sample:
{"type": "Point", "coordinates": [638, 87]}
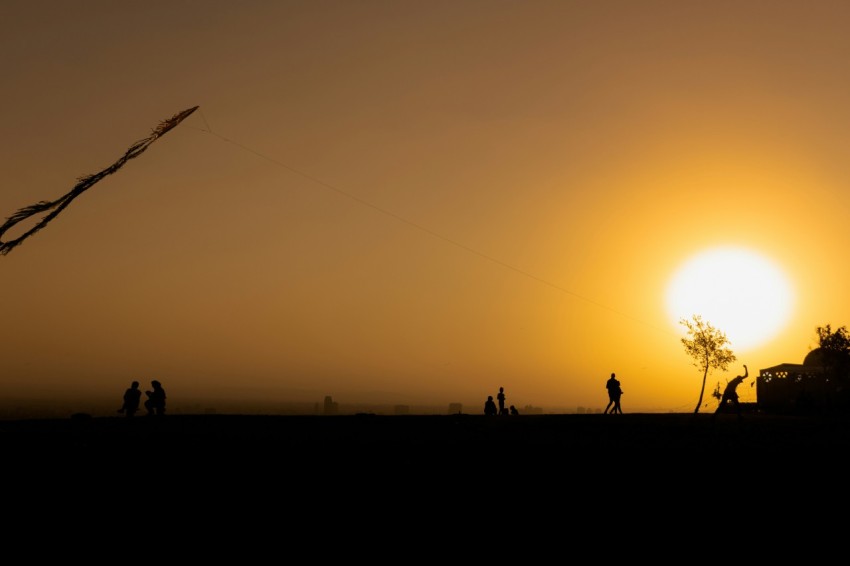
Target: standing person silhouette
{"type": "Point", "coordinates": [730, 395]}
{"type": "Point", "coordinates": [155, 403]}
{"type": "Point", "coordinates": [501, 398]}
{"type": "Point", "coordinates": [490, 406]}
{"type": "Point", "coordinates": [614, 392]}
{"type": "Point", "coordinates": [132, 398]}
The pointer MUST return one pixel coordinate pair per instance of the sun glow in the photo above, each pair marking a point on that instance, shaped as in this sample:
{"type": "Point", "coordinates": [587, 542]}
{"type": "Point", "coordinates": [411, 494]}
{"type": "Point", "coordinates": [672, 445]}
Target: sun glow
{"type": "Point", "coordinates": [737, 291]}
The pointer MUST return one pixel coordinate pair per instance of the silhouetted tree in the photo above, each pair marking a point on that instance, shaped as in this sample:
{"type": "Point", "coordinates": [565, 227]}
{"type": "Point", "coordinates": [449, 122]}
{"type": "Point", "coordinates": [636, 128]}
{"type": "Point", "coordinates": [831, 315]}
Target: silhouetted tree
{"type": "Point", "coordinates": [835, 352]}
{"type": "Point", "coordinates": [707, 346]}
{"type": "Point", "coordinates": [834, 342]}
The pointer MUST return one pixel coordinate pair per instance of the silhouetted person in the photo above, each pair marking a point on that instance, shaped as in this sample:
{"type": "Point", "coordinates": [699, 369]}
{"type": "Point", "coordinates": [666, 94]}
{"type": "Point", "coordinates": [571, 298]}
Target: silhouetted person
{"type": "Point", "coordinates": [514, 411]}
{"type": "Point", "coordinates": [132, 398]}
{"type": "Point", "coordinates": [618, 392]}
{"type": "Point", "coordinates": [730, 395]}
{"type": "Point", "coordinates": [614, 392]}
{"type": "Point", "coordinates": [501, 398]}
{"type": "Point", "coordinates": [490, 406]}
{"type": "Point", "coordinates": [155, 403]}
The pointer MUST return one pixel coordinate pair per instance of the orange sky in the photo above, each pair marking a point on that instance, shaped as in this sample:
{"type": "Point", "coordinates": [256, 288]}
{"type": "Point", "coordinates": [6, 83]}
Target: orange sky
{"type": "Point", "coordinates": [412, 202]}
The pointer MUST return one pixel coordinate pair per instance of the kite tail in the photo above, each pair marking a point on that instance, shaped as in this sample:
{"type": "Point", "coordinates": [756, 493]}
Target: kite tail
{"type": "Point", "coordinates": [83, 184]}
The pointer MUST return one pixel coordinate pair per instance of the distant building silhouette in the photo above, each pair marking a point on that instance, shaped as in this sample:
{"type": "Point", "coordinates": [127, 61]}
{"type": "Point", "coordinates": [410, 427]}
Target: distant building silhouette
{"type": "Point", "coordinates": [331, 406]}
{"type": "Point", "coordinates": [587, 410]}
{"type": "Point", "coordinates": [455, 408]}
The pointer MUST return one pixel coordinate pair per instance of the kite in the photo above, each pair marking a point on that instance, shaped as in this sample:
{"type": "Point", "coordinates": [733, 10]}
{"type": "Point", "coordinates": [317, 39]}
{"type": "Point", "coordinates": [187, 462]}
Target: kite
{"type": "Point", "coordinates": [82, 185]}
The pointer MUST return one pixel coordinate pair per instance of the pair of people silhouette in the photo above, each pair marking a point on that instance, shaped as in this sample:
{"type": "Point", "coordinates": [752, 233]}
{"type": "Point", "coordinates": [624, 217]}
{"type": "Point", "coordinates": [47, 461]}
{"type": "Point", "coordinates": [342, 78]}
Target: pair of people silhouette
{"type": "Point", "coordinates": [154, 404]}
{"type": "Point", "coordinates": [490, 405]}
{"type": "Point", "coordinates": [614, 393]}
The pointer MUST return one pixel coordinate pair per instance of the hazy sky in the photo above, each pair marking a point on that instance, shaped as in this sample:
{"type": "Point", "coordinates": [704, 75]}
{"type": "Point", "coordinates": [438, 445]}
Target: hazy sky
{"type": "Point", "coordinates": [414, 202]}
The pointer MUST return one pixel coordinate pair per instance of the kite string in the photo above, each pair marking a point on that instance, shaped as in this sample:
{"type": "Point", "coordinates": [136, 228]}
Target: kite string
{"type": "Point", "coordinates": [208, 130]}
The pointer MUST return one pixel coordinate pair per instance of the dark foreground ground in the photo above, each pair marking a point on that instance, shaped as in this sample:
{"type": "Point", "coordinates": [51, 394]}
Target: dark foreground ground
{"type": "Point", "coordinates": [436, 440]}
{"type": "Point", "coordinates": [409, 488]}
{"type": "Point", "coordinates": [240, 469]}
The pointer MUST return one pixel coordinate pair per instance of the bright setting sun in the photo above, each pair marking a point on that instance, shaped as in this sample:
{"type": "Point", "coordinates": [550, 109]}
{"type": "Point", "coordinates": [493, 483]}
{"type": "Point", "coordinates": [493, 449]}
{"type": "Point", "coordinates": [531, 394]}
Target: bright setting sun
{"type": "Point", "coordinates": [737, 291]}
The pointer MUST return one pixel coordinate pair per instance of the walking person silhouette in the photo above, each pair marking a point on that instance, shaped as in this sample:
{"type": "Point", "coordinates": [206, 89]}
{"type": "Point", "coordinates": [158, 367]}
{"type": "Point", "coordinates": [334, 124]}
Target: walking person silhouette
{"type": "Point", "coordinates": [614, 393]}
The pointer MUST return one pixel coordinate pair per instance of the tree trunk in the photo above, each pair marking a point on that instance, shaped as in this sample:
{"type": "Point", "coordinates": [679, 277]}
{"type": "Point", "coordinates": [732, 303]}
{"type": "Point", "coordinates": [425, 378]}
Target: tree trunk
{"type": "Point", "coordinates": [701, 391]}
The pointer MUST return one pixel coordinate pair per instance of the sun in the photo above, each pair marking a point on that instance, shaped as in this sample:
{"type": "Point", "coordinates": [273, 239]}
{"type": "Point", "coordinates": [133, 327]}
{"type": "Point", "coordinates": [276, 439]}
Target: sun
{"type": "Point", "coordinates": [737, 291]}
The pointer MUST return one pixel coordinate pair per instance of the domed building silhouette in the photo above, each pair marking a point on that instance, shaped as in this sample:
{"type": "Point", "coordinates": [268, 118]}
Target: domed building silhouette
{"type": "Point", "coordinates": [820, 384]}
{"type": "Point", "coordinates": [815, 358]}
